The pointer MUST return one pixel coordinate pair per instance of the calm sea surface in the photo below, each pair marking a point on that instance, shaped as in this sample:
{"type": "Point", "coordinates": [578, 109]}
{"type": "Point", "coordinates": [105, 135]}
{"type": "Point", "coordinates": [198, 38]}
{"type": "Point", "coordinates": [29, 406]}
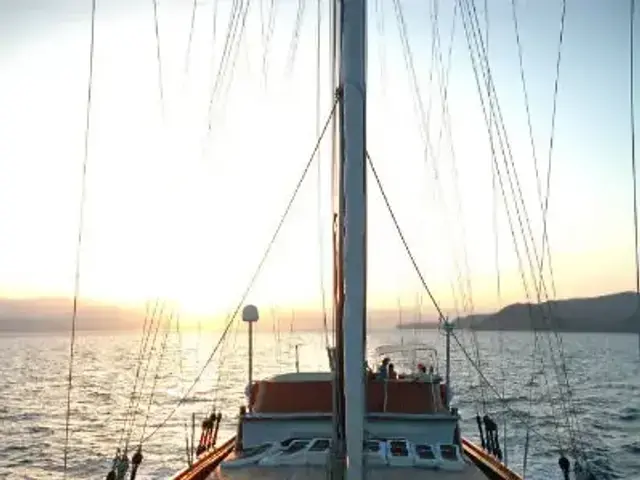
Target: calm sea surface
{"type": "Point", "coordinates": [603, 371]}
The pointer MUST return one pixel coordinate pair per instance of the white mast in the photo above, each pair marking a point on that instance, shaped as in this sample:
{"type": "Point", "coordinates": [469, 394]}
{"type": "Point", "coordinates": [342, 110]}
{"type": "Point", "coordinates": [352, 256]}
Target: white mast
{"type": "Point", "coordinates": [353, 35]}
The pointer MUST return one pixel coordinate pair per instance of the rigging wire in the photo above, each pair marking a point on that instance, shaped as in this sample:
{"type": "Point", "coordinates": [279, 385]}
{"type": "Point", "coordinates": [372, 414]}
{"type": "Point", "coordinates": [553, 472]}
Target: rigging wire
{"type": "Point", "coordinates": [192, 25]}
{"type": "Point", "coordinates": [156, 26]}
{"type": "Point", "coordinates": [232, 70]}
{"type": "Point", "coordinates": [231, 318]}
{"type": "Point", "coordinates": [180, 350]}
{"type": "Point", "coordinates": [275, 328]}
{"type": "Point", "coordinates": [500, 179]}
{"type": "Point", "coordinates": [379, 12]}
{"type": "Point", "coordinates": [334, 55]}
{"type": "Point", "coordinates": [214, 34]}
{"type": "Point", "coordinates": [435, 45]}
{"type": "Point", "coordinates": [131, 412]}
{"type": "Point", "coordinates": [565, 400]}
{"type": "Point", "coordinates": [513, 412]}
{"type": "Point", "coordinates": [467, 302]}
{"type": "Point", "coordinates": [545, 241]}
{"type": "Point", "coordinates": [163, 349]}
{"type": "Point", "coordinates": [404, 241]}
{"type": "Point", "coordinates": [522, 217]}
{"type": "Point", "coordinates": [83, 198]}
{"type": "Point", "coordinates": [474, 39]}
{"type": "Point", "coordinates": [632, 121]}
{"type": "Point", "coordinates": [263, 33]}
{"type": "Point", "coordinates": [221, 374]}
{"type": "Point", "coordinates": [144, 339]}
{"type": "Point", "coordinates": [241, 38]}
{"type": "Point", "coordinates": [467, 296]}
{"type": "Point", "coordinates": [429, 150]}
{"type": "Point", "coordinates": [235, 17]}
{"type": "Point", "coordinates": [499, 123]}
{"type": "Point", "coordinates": [443, 77]}
{"type": "Point", "coordinates": [295, 37]}
{"type": "Point", "coordinates": [319, 165]}
{"type": "Point", "coordinates": [424, 130]}
{"type": "Point", "coordinates": [464, 279]}
{"type": "Point", "coordinates": [496, 237]}
{"type": "Point", "coordinates": [545, 238]}
{"type": "Point", "coordinates": [271, 20]}
{"type": "Point", "coordinates": [151, 349]}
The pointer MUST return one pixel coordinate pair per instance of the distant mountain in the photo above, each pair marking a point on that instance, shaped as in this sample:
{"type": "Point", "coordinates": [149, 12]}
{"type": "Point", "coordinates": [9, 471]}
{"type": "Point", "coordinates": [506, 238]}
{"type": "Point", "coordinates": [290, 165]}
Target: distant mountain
{"type": "Point", "coordinates": [418, 326]}
{"type": "Point", "coordinates": [472, 320]}
{"type": "Point", "coordinates": [607, 313]}
{"type": "Point", "coordinates": [54, 314]}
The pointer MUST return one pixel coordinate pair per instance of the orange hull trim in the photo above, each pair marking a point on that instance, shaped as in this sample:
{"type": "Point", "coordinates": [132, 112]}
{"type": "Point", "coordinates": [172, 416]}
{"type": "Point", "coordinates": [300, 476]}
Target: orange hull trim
{"type": "Point", "coordinates": [207, 463]}
{"type": "Point", "coordinates": [492, 467]}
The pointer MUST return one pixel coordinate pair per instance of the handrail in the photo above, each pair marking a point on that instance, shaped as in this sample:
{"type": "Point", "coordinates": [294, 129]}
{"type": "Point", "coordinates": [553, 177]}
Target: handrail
{"type": "Point", "coordinates": [207, 462]}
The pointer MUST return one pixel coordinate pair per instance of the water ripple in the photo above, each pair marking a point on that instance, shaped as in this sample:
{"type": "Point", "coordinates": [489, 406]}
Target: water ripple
{"type": "Point", "coordinates": [603, 372]}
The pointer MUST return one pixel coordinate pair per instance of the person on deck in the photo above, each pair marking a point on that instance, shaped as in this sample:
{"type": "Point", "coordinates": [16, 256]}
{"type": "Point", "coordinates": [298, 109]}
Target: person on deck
{"type": "Point", "coordinates": [421, 374]}
{"type": "Point", "coordinates": [393, 375]}
{"type": "Point", "coordinates": [382, 370]}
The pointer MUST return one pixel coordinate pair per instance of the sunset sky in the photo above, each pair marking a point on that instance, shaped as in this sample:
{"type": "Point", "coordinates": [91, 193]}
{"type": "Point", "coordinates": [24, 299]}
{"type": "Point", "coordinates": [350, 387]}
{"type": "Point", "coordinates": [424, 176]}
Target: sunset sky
{"type": "Point", "coordinates": [175, 212]}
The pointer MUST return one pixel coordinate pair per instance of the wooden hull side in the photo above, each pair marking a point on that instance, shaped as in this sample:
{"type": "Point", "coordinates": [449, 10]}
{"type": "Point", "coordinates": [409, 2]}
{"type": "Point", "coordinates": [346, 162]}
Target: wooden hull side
{"type": "Point", "coordinates": [490, 466]}
{"type": "Point", "coordinates": [206, 463]}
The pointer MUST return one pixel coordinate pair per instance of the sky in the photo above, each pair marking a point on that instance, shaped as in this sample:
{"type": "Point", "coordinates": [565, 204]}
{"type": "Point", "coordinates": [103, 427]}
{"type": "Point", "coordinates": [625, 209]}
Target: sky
{"type": "Point", "coordinates": [177, 210]}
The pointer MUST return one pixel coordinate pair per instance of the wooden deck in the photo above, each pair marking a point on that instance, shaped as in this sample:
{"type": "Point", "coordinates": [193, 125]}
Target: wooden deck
{"type": "Point", "coordinates": [480, 466]}
{"type": "Point", "coordinates": [315, 473]}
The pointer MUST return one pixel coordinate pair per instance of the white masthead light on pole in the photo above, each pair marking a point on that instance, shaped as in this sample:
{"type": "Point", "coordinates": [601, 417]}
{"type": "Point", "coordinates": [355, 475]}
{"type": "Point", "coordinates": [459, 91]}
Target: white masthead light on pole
{"type": "Point", "coordinates": [250, 315]}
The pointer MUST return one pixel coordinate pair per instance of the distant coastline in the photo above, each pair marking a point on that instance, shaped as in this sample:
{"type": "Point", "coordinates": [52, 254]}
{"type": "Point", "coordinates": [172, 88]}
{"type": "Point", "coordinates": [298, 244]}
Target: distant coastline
{"type": "Point", "coordinates": [614, 313]}
{"type": "Point", "coordinates": [49, 315]}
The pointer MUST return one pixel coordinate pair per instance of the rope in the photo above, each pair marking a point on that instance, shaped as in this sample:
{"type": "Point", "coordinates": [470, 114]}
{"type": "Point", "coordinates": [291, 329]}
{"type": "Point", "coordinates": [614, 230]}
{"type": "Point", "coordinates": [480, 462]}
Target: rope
{"type": "Point", "coordinates": [83, 195]}
{"type": "Point", "coordinates": [404, 241]}
{"type": "Point", "coordinates": [232, 317]}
